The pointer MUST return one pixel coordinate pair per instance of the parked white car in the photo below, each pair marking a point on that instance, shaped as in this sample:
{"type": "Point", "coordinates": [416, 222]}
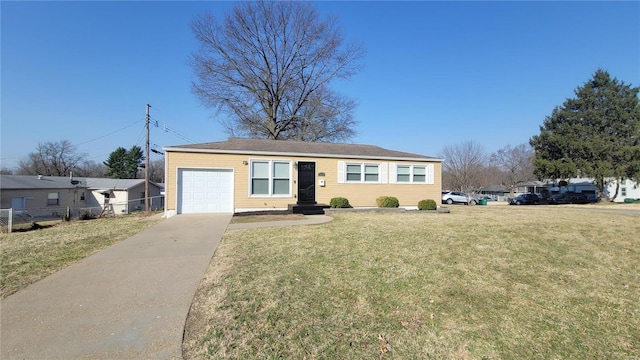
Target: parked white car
{"type": "Point", "coordinates": [457, 197]}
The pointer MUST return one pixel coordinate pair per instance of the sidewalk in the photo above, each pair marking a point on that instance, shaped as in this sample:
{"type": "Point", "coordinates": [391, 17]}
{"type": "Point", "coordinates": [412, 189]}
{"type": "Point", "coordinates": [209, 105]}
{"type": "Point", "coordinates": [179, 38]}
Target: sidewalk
{"type": "Point", "coordinates": [129, 301]}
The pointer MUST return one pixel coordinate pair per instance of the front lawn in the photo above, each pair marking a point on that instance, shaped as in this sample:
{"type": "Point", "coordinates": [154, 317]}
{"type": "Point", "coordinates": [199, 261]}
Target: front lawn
{"type": "Point", "coordinates": [482, 282]}
{"type": "Point", "coordinates": [29, 256]}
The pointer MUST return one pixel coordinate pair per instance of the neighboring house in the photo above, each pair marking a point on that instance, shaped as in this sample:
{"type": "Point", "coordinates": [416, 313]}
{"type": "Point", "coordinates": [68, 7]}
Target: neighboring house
{"type": "Point", "coordinates": [627, 189]}
{"type": "Point", "coordinates": [533, 187]}
{"type": "Point", "coordinates": [43, 196]}
{"type": "Point", "coordinates": [52, 195]}
{"type": "Point", "coordinates": [496, 192]}
{"type": "Point", "coordinates": [253, 174]}
{"type": "Point", "coordinates": [124, 195]}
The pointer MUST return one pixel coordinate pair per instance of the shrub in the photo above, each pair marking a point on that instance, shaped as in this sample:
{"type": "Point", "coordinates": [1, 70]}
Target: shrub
{"type": "Point", "coordinates": [427, 205]}
{"type": "Point", "coordinates": [339, 202]}
{"type": "Point", "coordinates": [387, 202]}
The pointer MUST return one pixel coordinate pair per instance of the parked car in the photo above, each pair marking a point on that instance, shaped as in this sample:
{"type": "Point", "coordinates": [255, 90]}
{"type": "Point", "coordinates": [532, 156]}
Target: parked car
{"type": "Point", "coordinates": [525, 199]}
{"type": "Point", "coordinates": [457, 197]}
{"type": "Point", "coordinates": [569, 198]}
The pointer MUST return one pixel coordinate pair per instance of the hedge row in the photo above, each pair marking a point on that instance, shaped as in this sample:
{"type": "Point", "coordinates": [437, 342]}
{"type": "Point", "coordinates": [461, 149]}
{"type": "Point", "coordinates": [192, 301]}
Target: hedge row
{"type": "Point", "coordinates": [384, 202]}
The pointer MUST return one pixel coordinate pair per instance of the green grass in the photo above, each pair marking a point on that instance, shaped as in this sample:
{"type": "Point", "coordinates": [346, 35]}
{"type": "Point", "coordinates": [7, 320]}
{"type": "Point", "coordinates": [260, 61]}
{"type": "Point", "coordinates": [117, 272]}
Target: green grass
{"type": "Point", "coordinates": [479, 283]}
{"type": "Point", "coordinates": [26, 257]}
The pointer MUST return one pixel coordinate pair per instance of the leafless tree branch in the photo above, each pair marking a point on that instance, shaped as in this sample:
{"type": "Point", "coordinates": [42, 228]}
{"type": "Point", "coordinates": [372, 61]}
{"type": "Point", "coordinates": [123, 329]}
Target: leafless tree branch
{"type": "Point", "coordinates": [268, 66]}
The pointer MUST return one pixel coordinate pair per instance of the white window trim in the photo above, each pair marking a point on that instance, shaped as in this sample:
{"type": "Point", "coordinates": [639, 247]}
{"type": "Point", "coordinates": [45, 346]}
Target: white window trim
{"type": "Point", "coordinates": [342, 172]}
{"type": "Point", "coordinates": [270, 178]}
{"type": "Point", "coordinates": [428, 178]}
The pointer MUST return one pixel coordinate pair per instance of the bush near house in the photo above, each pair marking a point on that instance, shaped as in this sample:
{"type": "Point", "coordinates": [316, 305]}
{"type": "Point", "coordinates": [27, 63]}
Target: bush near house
{"type": "Point", "coordinates": [387, 202]}
{"type": "Point", "coordinates": [339, 202]}
{"type": "Point", "coordinates": [427, 205]}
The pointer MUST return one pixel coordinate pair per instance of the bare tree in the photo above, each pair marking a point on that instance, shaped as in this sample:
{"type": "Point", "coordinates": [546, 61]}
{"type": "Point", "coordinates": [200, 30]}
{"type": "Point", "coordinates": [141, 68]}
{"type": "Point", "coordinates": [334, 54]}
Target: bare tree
{"type": "Point", "coordinates": [6, 171]}
{"type": "Point", "coordinates": [490, 175]}
{"type": "Point", "coordinates": [91, 169]}
{"type": "Point", "coordinates": [463, 166]}
{"type": "Point", "coordinates": [156, 171]}
{"type": "Point", "coordinates": [52, 159]}
{"type": "Point", "coordinates": [268, 66]}
{"type": "Point", "coordinates": [515, 163]}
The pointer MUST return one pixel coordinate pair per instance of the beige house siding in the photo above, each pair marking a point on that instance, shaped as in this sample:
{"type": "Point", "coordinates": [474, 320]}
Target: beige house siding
{"type": "Point", "coordinates": [37, 199]}
{"type": "Point", "coordinates": [359, 194]}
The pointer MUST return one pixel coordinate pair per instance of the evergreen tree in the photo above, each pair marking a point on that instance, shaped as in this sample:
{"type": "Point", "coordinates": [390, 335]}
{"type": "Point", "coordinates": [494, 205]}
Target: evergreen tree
{"type": "Point", "coordinates": [123, 163]}
{"type": "Point", "coordinates": [134, 161]}
{"type": "Point", "coordinates": [596, 134]}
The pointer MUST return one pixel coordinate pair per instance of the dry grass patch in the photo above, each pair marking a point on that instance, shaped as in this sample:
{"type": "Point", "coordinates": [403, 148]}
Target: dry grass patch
{"type": "Point", "coordinates": [244, 219]}
{"type": "Point", "coordinates": [27, 257]}
{"type": "Point", "coordinates": [501, 282]}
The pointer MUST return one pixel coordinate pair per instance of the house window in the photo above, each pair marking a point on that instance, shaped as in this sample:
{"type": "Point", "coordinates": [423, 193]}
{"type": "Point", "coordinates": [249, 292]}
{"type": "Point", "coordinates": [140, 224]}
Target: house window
{"type": "Point", "coordinates": [411, 174]}
{"type": "Point", "coordinates": [354, 172]}
{"type": "Point", "coordinates": [53, 198]}
{"type": "Point", "coordinates": [419, 174]}
{"type": "Point", "coordinates": [363, 172]}
{"type": "Point", "coordinates": [270, 178]}
{"type": "Point", "coordinates": [280, 178]}
{"type": "Point", "coordinates": [260, 178]}
{"type": "Point", "coordinates": [371, 173]}
{"type": "Point", "coordinates": [623, 191]}
{"type": "Point", "coordinates": [82, 196]}
{"type": "Point", "coordinates": [404, 173]}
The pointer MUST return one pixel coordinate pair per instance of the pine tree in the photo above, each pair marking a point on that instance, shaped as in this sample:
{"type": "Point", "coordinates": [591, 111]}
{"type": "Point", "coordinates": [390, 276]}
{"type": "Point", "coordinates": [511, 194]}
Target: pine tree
{"type": "Point", "coordinates": [123, 163]}
{"type": "Point", "coordinates": [596, 134]}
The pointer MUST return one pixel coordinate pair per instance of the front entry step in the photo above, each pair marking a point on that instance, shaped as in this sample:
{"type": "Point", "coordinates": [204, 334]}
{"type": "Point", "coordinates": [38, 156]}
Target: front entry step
{"type": "Point", "coordinates": [308, 209]}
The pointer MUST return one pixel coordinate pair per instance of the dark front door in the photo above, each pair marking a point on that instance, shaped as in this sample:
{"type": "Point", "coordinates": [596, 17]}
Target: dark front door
{"type": "Point", "coordinates": [306, 182]}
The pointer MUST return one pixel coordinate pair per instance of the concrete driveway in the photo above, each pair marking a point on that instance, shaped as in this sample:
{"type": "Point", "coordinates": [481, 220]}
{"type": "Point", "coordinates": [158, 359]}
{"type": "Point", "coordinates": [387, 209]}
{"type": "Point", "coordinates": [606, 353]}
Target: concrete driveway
{"type": "Point", "coordinates": [129, 301]}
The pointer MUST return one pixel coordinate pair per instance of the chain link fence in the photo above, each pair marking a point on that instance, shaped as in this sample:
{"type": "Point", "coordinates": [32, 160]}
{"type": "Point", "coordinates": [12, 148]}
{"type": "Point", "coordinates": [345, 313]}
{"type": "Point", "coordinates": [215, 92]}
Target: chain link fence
{"type": "Point", "coordinates": [11, 217]}
{"type": "Point", "coordinates": [6, 220]}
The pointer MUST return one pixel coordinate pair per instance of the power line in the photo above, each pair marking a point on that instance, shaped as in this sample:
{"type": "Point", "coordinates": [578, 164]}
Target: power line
{"type": "Point", "coordinates": [141, 137]}
{"type": "Point", "coordinates": [82, 143]}
{"type": "Point", "coordinates": [111, 133]}
{"type": "Point", "coordinates": [169, 130]}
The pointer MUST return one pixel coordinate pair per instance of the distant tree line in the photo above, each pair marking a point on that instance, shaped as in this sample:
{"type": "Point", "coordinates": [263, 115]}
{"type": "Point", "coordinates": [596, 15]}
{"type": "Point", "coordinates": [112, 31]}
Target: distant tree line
{"type": "Point", "coordinates": [468, 167]}
{"type": "Point", "coordinates": [62, 158]}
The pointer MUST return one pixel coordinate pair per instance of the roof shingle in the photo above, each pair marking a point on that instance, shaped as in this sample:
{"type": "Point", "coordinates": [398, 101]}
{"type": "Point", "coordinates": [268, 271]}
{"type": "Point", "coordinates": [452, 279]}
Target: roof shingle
{"type": "Point", "coordinates": [252, 146]}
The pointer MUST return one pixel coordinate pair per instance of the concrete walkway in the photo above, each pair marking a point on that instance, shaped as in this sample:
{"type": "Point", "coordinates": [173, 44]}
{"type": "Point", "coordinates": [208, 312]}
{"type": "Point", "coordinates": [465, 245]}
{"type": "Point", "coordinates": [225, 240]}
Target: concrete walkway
{"type": "Point", "coordinates": [129, 301]}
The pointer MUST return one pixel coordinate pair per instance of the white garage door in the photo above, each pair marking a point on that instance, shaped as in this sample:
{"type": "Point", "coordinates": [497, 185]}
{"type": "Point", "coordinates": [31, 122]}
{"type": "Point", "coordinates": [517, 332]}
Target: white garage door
{"type": "Point", "coordinates": [205, 191]}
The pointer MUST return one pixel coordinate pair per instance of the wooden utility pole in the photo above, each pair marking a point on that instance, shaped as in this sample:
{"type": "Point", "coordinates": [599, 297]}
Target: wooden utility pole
{"type": "Point", "coordinates": [146, 167]}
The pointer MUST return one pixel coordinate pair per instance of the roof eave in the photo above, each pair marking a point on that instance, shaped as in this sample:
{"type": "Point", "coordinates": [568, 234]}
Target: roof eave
{"type": "Point", "coordinates": [277, 153]}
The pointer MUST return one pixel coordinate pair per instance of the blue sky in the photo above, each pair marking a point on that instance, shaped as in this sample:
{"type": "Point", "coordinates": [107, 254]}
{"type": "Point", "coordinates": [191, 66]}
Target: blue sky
{"type": "Point", "coordinates": [434, 73]}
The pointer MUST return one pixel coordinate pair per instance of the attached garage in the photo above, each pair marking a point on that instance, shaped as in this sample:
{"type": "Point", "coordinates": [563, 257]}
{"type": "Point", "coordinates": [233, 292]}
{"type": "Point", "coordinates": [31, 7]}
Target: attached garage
{"type": "Point", "coordinates": [205, 191]}
{"type": "Point", "coordinates": [249, 175]}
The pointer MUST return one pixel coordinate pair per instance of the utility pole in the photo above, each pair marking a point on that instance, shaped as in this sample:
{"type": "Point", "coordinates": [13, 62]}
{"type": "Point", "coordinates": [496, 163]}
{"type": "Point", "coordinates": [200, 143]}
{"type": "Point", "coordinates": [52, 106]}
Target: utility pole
{"type": "Point", "coordinates": [146, 167]}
